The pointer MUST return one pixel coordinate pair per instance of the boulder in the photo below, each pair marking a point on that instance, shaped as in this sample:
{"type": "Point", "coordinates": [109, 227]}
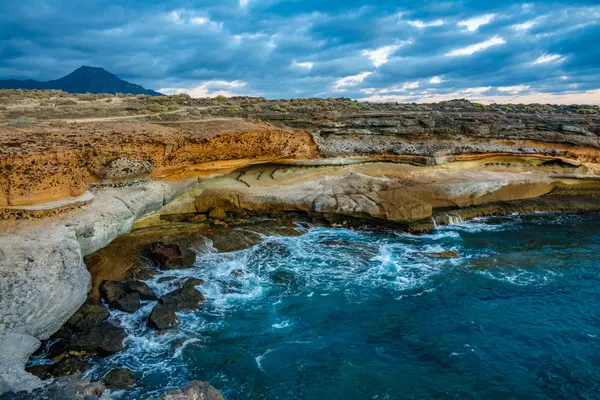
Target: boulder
{"type": "Point", "coordinates": [193, 282]}
{"type": "Point", "coordinates": [145, 292]}
{"type": "Point", "coordinates": [185, 298]}
{"type": "Point", "coordinates": [112, 290]}
{"type": "Point", "coordinates": [194, 390]}
{"type": "Point", "coordinates": [162, 318]}
{"type": "Point", "coordinates": [119, 379]}
{"type": "Point", "coordinates": [443, 254]}
{"type": "Point", "coordinates": [172, 256]}
{"type": "Point", "coordinates": [39, 370]}
{"type": "Point", "coordinates": [68, 366]}
{"type": "Point", "coordinates": [87, 317]}
{"type": "Point", "coordinates": [129, 302]}
{"type": "Point", "coordinates": [217, 213]}
{"type": "Point", "coordinates": [103, 340]}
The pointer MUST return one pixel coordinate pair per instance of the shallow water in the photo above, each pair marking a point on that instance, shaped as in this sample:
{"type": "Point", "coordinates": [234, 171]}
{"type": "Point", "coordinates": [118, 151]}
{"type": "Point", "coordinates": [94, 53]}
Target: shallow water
{"type": "Point", "coordinates": [337, 314]}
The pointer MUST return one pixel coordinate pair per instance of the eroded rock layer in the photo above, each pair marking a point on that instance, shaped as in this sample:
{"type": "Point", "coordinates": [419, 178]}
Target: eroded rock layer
{"type": "Point", "coordinates": [68, 191]}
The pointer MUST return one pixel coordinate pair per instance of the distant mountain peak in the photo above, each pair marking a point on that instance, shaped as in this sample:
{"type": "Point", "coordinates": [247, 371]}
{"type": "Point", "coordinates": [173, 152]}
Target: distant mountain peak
{"type": "Point", "coordinates": [84, 79]}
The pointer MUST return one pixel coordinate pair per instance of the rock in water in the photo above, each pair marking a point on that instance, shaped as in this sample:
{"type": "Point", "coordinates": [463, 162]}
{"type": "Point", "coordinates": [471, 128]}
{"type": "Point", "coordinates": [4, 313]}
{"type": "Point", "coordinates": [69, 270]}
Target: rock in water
{"type": "Point", "coordinates": [194, 390]}
{"type": "Point", "coordinates": [112, 290]}
{"type": "Point", "coordinates": [88, 317]}
{"type": "Point", "coordinates": [129, 302]}
{"type": "Point", "coordinates": [119, 379]}
{"type": "Point", "coordinates": [68, 366]}
{"type": "Point", "coordinates": [145, 292]}
{"type": "Point", "coordinates": [443, 254]}
{"type": "Point", "coordinates": [162, 318]}
{"type": "Point", "coordinates": [185, 298]}
{"type": "Point", "coordinates": [193, 282]}
{"type": "Point", "coordinates": [172, 256]}
{"type": "Point", "coordinates": [103, 340]}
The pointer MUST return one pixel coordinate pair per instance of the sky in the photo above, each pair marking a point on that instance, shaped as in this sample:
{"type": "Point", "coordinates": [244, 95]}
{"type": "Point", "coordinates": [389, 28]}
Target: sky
{"type": "Point", "coordinates": [421, 51]}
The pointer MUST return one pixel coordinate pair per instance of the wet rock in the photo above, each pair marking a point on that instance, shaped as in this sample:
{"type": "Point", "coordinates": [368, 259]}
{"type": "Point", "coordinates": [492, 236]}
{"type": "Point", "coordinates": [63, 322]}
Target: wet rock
{"type": "Point", "coordinates": [217, 213]}
{"type": "Point", "coordinates": [119, 379]}
{"type": "Point", "coordinates": [129, 302]}
{"type": "Point", "coordinates": [194, 390]}
{"type": "Point", "coordinates": [143, 274]}
{"type": "Point", "coordinates": [112, 290]}
{"type": "Point", "coordinates": [166, 279]}
{"type": "Point", "coordinates": [65, 388]}
{"type": "Point", "coordinates": [443, 254]}
{"type": "Point", "coordinates": [103, 340]}
{"type": "Point", "coordinates": [39, 370]}
{"type": "Point", "coordinates": [145, 292]}
{"type": "Point", "coordinates": [238, 273]}
{"type": "Point", "coordinates": [162, 318]}
{"type": "Point", "coordinates": [193, 282]}
{"type": "Point", "coordinates": [172, 256]}
{"type": "Point", "coordinates": [185, 298]}
{"type": "Point", "coordinates": [283, 277]}
{"type": "Point", "coordinates": [87, 317]}
{"type": "Point", "coordinates": [68, 366]}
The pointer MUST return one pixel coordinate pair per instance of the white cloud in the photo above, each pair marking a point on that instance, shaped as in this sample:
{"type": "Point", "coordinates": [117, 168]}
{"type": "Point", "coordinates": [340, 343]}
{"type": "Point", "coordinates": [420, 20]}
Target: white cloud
{"type": "Point", "coordinates": [307, 65]}
{"type": "Point", "coordinates": [474, 48]}
{"type": "Point", "coordinates": [244, 3]}
{"type": "Point", "coordinates": [183, 17]}
{"type": "Point", "coordinates": [524, 26]}
{"type": "Point", "coordinates": [210, 89]}
{"type": "Point", "coordinates": [476, 90]}
{"type": "Point", "coordinates": [473, 24]}
{"type": "Point", "coordinates": [514, 89]}
{"type": "Point", "coordinates": [352, 80]}
{"type": "Point", "coordinates": [381, 55]}
{"type": "Point", "coordinates": [548, 58]}
{"type": "Point", "coordinates": [585, 97]}
{"type": "Point", "coordinates": [421, 25]}
{"type": "Point", "coordinates": [436, 80]}
{"type": "Point", "coordinates": [564, 77]}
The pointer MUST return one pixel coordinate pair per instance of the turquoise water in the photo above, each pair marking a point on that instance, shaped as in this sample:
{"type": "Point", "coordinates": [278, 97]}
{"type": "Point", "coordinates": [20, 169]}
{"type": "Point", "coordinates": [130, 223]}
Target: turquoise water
{"type": "Point", "coordinates": [338, 314]}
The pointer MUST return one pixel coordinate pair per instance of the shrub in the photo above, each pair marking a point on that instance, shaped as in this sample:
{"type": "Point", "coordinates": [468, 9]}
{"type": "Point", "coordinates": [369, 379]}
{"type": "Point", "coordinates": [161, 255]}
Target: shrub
{"type": "Point", "coordinates": [158, 108]}
{"type": "Point", "coordinates": [19, 122]}
{"type": "Point", "coordinates": [61, 124]}
{"type": "Point", "coordinates": [355, 106]}
{"type": "Point", "coordinates": [154, 117]}
{"type": "Point", "coordinates": [276, 108]}
{"type": "Point", "coordinates": [221, 99]}
{"type": "Point", "coordinates": [586, 110]}
{"type": "Point", "coordinates": [236, 109]}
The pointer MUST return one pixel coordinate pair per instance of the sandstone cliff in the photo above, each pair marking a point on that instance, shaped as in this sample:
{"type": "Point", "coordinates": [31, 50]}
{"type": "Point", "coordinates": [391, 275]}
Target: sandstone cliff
{"type": "Point", "coordinates": [68, 189]}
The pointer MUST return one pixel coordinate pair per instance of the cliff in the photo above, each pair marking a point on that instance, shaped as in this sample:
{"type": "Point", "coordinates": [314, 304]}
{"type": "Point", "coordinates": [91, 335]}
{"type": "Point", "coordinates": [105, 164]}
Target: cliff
{"type": "Point", "coordinates": [69, 187]}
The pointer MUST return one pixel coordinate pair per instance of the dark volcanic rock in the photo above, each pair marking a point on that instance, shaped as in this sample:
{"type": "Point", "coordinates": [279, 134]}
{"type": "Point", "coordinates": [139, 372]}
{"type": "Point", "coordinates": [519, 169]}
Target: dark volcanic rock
{"type": "Point", "coordinates": [185, 298]}
{"type": "Point", "coordinates": [65, 388]}
{"type": "Point", "coordinates": [119, 379]}
{"type": "Point", "coordinates": [39, 370]}
{"type": "Point", "coordinates": [172, 256]}
{"type": "Point", "coordinates": [162, 318]}
{"type": "Point", "coordinates": [194, 390]}
{"type": "Point", "coordinates": [129, 302]}
{"type": "Point", "coordinates": [88, 317]}
{"type": "Point", "coordinates": [145, 292]}
{"type": "Point", "coordinates": [68, 366]}
{"type": "Point", "coordinates": [104, 339]}
{"type": "Point", "coordinates": [193, 282]}
{"type": "Point", "coordinates": [112, 290]}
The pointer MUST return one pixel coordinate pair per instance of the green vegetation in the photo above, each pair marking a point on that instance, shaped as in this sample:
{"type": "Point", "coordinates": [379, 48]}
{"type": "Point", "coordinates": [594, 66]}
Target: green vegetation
{"type": "Point", "coordinates": [355, 105]}
{"type": "Point", "coordinates": [236, 109]}
{"type": "Point", "coordinates": [154, 117]}
{"type": "Point", "coordinates": [158, 108]}
{"type": "Point", "coordinates": [276, 108]}
{"type": "Point", "coordinates": [582, 110]}
{"type": "Point", "coordinates": [19, 122]}
{"type": "Point", "coordinates": [221, 99]}
{"type": "Point", "coordinates": [480, 106]}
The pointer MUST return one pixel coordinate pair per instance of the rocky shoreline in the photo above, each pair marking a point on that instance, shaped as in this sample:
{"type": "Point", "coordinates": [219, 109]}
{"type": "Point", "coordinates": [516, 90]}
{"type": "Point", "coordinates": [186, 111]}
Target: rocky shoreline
{"type": "Point", "coordinates": [66, 193]}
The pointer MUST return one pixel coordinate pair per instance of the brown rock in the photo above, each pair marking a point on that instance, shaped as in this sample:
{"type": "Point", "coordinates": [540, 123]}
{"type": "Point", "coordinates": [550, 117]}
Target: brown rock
{"type": "Point", "coordinates": [172, 256]}
{"type": "Point", "coordinates": [145, 291]}
{"type": "Point", "coordinates": [185, 298]}
{"type": "Point", "coordinates": [162, 318]}
{"type": "Point", "coordinates": [88, 317]}
{"type": "Point", "coordinates": [194, 390]}
{"type": "Point", "coordinates": [217, 213]}
{"type": "Point", "coordinates": [119, 379]}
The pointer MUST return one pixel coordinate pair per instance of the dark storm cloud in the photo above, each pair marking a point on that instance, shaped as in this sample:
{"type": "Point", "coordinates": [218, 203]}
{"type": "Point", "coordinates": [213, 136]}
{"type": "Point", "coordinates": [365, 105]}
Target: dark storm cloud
{"type": "Point", "coordinates": [382, 50]}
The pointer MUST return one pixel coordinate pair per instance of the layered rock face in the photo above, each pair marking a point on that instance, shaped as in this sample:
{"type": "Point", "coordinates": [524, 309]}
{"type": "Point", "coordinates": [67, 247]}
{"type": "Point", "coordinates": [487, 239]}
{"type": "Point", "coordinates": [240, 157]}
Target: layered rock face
{"type": "Point", "coordinates": [67, 192]}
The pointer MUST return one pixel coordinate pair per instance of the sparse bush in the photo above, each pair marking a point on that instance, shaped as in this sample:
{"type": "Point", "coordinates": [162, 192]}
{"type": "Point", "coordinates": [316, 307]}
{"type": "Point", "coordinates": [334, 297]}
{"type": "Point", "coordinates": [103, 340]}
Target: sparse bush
{"type": "Point", "coordinates": [60, 124]}
{"type": "Point", "coordinates": [480, 106]}
{"type": "Point", "coordinates": [65, 102]}
{"type": "Point", "coordinates": [582, 110]}
{"type": "Point", "coordinates": [19, 122]}
{"type": "Point", "coordinates": [355, 106]}
{"type": "Point", "coordinates": [276, 108]}
{"type": "Point", "coordinates": [158, 108]}
{"type": "Point", "coordinates": [154, 117]}
{"type": "Point", "coordinates": [221, 99]}
{"type": "Point", "coordinates": [236, 109]}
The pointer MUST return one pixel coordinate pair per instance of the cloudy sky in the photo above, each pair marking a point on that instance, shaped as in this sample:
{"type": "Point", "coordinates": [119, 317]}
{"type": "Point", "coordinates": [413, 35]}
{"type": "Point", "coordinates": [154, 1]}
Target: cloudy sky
{"type": "Point", "coordinates": [492, 50]}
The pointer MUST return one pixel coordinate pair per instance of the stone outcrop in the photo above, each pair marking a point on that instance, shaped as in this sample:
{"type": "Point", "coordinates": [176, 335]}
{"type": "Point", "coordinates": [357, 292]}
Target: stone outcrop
{"type": "Point", "coordinates": [67, 192]}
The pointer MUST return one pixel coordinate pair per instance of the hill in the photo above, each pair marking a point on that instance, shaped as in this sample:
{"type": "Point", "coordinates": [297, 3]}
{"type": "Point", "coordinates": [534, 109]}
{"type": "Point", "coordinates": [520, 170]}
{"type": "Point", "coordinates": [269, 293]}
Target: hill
{"type": "Point", "coordinates": [83, 80]}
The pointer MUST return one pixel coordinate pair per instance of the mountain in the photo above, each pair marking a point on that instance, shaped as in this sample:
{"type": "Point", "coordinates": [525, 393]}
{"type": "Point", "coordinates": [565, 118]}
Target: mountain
{"type": "Point", "coordinates": [82, 80]}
